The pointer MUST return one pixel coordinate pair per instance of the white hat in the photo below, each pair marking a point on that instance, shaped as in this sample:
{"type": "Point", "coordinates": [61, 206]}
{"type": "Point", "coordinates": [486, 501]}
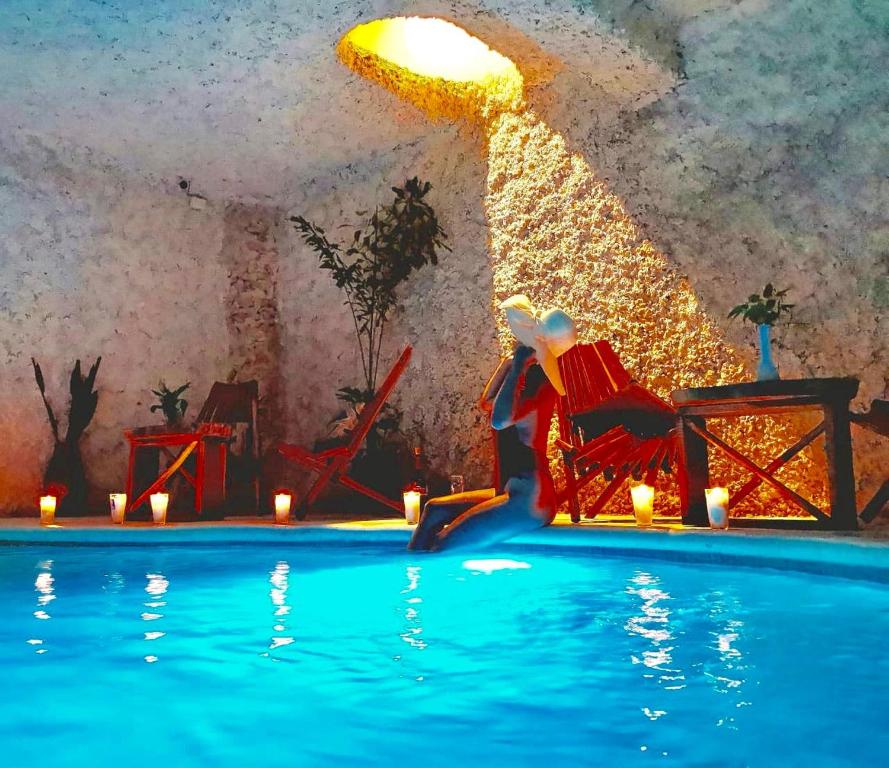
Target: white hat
{"type": "Point", "coordinates": [550, 334]}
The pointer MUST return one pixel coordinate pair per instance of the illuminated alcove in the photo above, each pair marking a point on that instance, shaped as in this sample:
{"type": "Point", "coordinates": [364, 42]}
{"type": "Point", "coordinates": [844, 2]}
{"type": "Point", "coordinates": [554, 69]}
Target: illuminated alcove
{"type": "Point", "coordinates": [436, 65]}
{"type": "Point", "coordinates": [559, 234]}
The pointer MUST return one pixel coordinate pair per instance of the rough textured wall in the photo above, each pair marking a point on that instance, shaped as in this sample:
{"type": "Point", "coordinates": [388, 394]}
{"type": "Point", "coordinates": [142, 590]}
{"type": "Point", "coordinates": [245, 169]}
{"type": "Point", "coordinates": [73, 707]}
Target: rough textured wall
{"type": "Point", "coordinates": [93, 266]}
{"type": "Point", "coordinates": [251, 257]}
{"type": "Point", "coordinates": [746, 140]}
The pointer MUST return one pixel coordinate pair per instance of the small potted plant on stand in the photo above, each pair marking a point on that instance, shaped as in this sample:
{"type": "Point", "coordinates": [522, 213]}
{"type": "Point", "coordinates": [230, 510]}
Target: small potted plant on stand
{"type": "Point", "coordinates": [764, 311]}
{"type": "Point", "coordinates": [170, 403]}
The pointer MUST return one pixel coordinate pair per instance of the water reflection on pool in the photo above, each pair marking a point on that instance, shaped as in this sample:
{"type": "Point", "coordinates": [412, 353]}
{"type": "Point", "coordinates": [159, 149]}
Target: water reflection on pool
{"type": "Point", "coordinates": [369, 656]}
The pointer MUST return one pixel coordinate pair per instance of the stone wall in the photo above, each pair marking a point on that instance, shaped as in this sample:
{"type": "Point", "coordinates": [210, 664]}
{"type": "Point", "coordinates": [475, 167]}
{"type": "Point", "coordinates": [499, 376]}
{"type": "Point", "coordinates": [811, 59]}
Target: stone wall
{"type": "Point", "coordinates": [745, 141]}
{"type": "Point", "coordinates": [91, 265]}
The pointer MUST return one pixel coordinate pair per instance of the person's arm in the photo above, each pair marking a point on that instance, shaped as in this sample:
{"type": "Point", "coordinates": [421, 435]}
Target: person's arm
{"type": "Point", "coordinates": [494, 383]}
{"type": "Point", "coordinates": [503, 413]}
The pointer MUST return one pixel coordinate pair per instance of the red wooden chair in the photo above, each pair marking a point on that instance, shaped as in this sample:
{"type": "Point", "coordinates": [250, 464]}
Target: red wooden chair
{"type": "Point", "coordinates": [207, 441]}
{"type": "Point", "coordinates": [332, 464]}
{"type": "Point", "coordinates": [609, 425]}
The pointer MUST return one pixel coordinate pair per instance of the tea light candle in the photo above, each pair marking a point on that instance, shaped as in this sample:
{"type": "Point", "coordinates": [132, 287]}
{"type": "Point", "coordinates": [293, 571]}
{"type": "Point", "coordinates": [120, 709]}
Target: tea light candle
{"type": "Point", "coordinates": [282, 508]}
{"type": "Point", "coordinates": [717, 507]}
{"type": "Point", "coordinates": [47, 510]}
{"type": "Point", "coordinates": [118, 503]}
{"type": "Point", "coordinates": [159, 502]}
{"type": "Point", "coordinates": [643, 504]}
{"type": "Point", "coordinates": [412, 507]}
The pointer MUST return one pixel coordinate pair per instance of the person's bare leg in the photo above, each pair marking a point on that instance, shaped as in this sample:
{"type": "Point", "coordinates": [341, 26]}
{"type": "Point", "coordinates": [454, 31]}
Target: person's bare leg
{"type": "Point", "coordinates": [494, 520]}
{"type": "Point", "coordinates": [442, 511]}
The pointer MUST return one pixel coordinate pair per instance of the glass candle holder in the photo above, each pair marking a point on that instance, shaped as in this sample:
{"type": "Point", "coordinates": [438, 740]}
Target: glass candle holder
{"type": "Point", "coordinates": [118, 503]}
{"type": "Point", "coordinates": [643, 504]}
{"type": "Point", "coordinates": [159, 503]}
{"type": "Point", "coordinates": [412, 507]}
{"type": "Point", "coordinates": [283, 502]}
{"type": "Point", "coordinates": [47, 510]}
{"type": "Point", "coordinates": [717, 507]}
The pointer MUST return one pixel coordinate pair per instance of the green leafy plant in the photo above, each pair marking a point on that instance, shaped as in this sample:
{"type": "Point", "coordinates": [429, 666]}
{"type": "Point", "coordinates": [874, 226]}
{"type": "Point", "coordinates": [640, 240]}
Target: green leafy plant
{"type": "Point", "coordinates": [765, 309]}
{"type": "Point", "coordinates": [65, 476]}
{"type": "Point", "coordinates": [398, 239]}
{"type": "Point", "coordinates": [170, 403]}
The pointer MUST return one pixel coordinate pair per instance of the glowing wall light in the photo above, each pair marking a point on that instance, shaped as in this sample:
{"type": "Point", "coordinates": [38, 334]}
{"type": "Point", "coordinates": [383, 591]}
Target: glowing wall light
{"type": "Point", "coordinates": [435, 65]}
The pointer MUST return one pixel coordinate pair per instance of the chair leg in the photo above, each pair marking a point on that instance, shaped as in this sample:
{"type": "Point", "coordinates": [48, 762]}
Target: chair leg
{"type": "Point", "coordinates": [571, 482]}
{"type": "Point", "coordinates": [131, 468]}
{"type": "Point", "coordinates": [876, 504]}
{"type": "Point", "coordinates": [200, 477]}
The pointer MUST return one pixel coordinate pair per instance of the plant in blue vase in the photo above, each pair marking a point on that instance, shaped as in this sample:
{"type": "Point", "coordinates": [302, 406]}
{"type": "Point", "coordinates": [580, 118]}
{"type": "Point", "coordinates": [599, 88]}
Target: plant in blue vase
{"type": "Point", "coordinates": [764, 310]}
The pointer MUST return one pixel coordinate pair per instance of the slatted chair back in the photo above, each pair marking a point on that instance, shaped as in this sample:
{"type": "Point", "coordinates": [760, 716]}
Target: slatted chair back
{"type": "Point", "coordinates": [370, 411]}
{"type": "Point", "coordinates": [234, 403]}
{"type": "Point", "coordinates": [592, 374]}
{"type": "Point", "coordinates": [608, 424]}
{"type": "Point", "coordinates": [230, 403]}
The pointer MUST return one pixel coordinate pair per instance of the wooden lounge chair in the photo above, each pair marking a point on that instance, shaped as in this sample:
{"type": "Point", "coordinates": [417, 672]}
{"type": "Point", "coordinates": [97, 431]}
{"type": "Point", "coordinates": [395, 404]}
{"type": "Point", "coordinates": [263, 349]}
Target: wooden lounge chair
{"type": "Point", "coordinates": [609, 425]}
{"type": "Point", "coordinates": [333, 464]}
{"type": "Point", "coordinates": [207, 442]}
{"type": "Point", "coordinates": [876, 420]}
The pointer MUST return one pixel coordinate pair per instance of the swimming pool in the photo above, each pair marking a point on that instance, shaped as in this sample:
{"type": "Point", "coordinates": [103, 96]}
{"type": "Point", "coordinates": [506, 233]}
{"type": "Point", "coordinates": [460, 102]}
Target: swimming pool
{"type": "Point", "coordinates": [349, 651]}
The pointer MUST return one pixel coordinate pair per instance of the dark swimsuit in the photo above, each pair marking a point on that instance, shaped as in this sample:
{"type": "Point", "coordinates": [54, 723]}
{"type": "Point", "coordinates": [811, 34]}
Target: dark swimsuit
{"type": "Point", "coordinates": [514, 458]}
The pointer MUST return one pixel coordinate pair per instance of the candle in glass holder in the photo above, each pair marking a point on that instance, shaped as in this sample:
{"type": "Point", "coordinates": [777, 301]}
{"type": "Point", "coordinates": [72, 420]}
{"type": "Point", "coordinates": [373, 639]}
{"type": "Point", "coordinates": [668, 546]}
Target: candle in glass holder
{"type": "Point", "coordinates": [282, 508]}
{"type": "Point", "coordinates": [159, 502]}
{"type": "Point", "coordinates": [118, 502]}
{"type": "Point", "coordinates": [412, 507]}
{"type": "Point", "coordinates": [717, 507]}
{"type": "Point", "coordinates": [47, 510]}
{"type": "Point", "coordinates": [643, 504]}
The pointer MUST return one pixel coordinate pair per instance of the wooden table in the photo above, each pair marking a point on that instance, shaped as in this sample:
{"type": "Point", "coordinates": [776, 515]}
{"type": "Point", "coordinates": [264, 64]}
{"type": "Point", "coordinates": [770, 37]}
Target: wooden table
{"type": "Point", "coordinates": [208, 442]}
{"type": "Point", "coordinates": [830, 396]}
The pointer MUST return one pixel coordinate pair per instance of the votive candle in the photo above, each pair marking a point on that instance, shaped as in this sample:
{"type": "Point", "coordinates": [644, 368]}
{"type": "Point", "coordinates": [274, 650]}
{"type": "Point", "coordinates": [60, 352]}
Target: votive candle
{"type": "Point", "coordinates": [47, 510]}
{"type": "Point", "coordinates": [717, 507]}
{"type": "Point", "coordinates": [283, 502]}
{"type": "Point", "coordinates": [643, 504]}
{"type": "Point", "coordinates": [118, 503]}
{"type": "Point", "coordinates": [412, 507]}
{"type": "Point", "coordinates": [159, 502]}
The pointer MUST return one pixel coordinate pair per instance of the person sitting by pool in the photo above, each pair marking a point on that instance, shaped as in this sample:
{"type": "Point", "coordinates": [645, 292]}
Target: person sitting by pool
{"type": "Point", "coordinates": [520, 397]}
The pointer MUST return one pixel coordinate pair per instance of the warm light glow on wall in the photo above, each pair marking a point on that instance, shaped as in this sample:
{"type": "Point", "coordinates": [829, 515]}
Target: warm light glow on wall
{"type": "Point", "coordinates": [435, 65]}
{"type": "Point", "coordinates": [561, 236]}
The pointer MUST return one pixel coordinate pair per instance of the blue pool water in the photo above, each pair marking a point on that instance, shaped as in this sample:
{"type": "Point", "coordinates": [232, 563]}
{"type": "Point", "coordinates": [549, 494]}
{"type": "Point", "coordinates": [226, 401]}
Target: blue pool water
{"type": "Point", "coordinates": [333, 655]}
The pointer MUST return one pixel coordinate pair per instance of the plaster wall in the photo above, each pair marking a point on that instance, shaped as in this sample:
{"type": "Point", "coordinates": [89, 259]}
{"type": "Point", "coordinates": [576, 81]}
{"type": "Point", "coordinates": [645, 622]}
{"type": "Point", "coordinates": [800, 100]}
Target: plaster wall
{"type": "Point", "coordinates": [91, 265]}
{"type": "Point", "coordinates": [746, 141]}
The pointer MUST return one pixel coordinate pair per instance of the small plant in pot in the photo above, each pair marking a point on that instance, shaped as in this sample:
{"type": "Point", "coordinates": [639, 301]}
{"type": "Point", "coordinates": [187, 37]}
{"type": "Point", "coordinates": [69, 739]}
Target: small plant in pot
{"type": "Point", "coordinates": [170, 403]}
{"type": "Point", "coordinates": [65, 477]}
{"type": "Point", "coordinates": [764, 311]}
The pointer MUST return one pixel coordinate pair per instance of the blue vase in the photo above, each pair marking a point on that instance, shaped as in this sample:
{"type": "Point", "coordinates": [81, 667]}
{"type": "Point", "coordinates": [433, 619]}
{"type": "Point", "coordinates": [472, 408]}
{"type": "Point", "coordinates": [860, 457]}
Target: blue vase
{"type": "Point", "coordinates": [766, 370]}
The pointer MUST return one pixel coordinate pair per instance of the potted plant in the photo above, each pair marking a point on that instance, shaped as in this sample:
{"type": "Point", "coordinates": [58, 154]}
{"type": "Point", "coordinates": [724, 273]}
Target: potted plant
{"type": "Point", "coordinates": [398, 239]}
{"type": "Point", "coordinates": [65, 477]}
{"type": "Point", "coordinates": [170, 403]}
{"type": "Point", "coordinates": [764, 311]}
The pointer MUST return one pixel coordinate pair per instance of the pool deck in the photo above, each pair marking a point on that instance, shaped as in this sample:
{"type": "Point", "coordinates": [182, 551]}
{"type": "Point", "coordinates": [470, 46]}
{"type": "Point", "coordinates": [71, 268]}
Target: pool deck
{"type": "Point", "coordinates": [785, 526]}
{"type": "Point", "coordinates": [858, 555]}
